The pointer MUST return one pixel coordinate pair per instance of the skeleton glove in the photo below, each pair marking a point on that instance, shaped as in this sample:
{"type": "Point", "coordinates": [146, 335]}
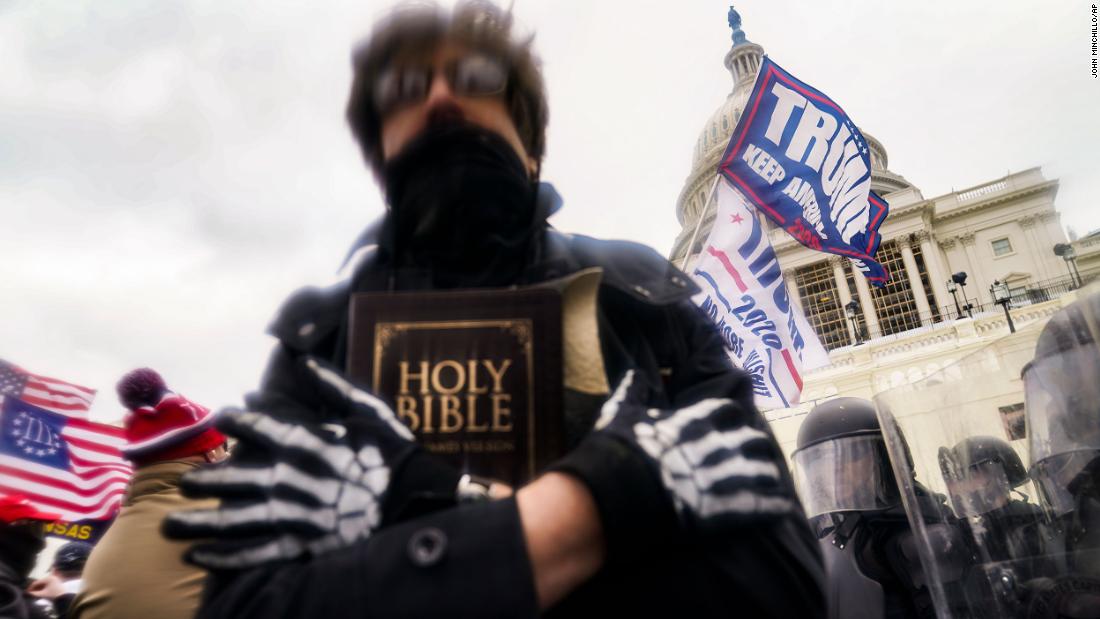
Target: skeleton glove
{"type": "Point", "coordinates": [295, 489]}
{"type": "Point", "coordinates": [703, 460]}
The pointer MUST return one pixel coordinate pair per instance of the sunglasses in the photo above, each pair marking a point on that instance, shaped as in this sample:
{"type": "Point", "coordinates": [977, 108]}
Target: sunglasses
{"type": "Point", "coordinates": [476, 75]}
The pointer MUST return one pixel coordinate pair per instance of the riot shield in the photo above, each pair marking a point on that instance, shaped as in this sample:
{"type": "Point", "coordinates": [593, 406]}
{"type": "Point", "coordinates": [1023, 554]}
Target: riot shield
{"type": "Point", "coordinates": [988, 542]}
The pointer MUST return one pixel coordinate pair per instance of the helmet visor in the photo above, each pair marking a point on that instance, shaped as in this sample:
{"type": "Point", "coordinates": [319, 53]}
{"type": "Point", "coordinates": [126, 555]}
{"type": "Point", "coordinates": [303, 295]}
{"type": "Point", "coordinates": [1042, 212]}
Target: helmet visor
{"type": "Point", "coordinates": [979, 489]}
{"type": "Point", "coordinates": [846, 474]}
{"type": "Point", "coordinates": [1062, 394]}
{"type": "Point", "coordinates": [1060, 478]}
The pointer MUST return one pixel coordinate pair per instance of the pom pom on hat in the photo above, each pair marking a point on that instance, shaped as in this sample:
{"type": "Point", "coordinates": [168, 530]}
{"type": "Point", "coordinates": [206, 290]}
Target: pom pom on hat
{"type": "Point", "coordinates": [163, 425]}
{"type": "Point", "coordinates": [141, 387]}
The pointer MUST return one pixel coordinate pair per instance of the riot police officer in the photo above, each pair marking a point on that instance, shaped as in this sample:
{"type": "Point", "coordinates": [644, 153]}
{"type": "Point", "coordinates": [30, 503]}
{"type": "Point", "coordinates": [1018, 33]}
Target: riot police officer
{"type": "Point", "coordinates": [848, 487]}
{"type": "Point", "coordinates": [1062, 394]}
{"type": "Point", "coordinates": [981, 472]}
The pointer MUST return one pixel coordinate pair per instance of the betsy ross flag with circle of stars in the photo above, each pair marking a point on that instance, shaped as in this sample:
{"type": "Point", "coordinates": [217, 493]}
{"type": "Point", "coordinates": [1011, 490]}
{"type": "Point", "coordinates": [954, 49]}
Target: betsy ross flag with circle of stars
{"type": "Point", "coordinates": [62, 462]}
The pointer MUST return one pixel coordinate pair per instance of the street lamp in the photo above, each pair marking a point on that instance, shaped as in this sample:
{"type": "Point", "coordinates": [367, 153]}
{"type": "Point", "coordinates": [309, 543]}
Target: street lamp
{"type": "Point", "coordinates": [851, 309]}
{"type": "Point", "coordinates": [1069, 254]}
{"type": "Point", "coordinates": [952, 288]}
{"type": "Point", "coordinates": [958, 279]}
{"type": "Point", "coordinates": [1003, 296]}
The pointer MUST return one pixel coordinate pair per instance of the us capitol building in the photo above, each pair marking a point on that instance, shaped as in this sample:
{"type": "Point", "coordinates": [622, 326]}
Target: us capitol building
{"type": "Point", "coordinates": [925, 320]}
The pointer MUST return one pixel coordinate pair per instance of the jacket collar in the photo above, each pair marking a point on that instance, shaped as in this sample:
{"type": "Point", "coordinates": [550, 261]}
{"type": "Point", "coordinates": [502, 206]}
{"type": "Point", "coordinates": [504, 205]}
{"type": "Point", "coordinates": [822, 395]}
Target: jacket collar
{"type": "Point", "coordinates": [157, 478]}
{"type": "Point", "coordinates": [312, 314]}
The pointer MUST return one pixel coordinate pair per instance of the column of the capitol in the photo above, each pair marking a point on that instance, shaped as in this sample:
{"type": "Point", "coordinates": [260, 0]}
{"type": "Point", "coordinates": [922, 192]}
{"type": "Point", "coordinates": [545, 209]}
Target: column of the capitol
{"type": "Point", "coordinates": [936, 273]}
{"type": "Point", "coordinates": [867, 303]}
{"type": "Point", "coordinates": [845, 293]}
{"type": "Point", "coordinates": [919, 295]}
{"type": "Point", "coordinates": [977, 288]}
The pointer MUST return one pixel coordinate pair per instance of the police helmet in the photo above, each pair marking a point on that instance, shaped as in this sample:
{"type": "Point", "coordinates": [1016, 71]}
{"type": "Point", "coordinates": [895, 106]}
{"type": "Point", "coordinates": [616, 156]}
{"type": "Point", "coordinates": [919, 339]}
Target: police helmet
{"type": "Point", "coordinates": [1062, 398]}
{"type": "Point", "coordinates": [974, 451]}
{"type": "Point", "coordinates": [841, 463]}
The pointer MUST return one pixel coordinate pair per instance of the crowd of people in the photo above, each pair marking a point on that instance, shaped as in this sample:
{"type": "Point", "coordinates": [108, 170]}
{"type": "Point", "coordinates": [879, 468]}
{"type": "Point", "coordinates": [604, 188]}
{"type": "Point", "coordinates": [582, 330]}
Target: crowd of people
{"type": "Point", "coordinates": [672, 497]}
{"type": "Point", "coordinates": [133, 570]}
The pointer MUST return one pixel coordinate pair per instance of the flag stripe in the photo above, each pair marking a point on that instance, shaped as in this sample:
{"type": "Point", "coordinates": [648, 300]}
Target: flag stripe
{"type": "Point", "coordinates": [90, 446]}
{"type": "Point", "coordinates": [63, 392]}
{"type": "Point", "coordinates": [89, 488]}
{"type": "Point", "coordinates": [67, 402]}
{"type": "Point", "coordinates": [792, 369]}
{"type": "Point", "coordinates": [45, 392]}
{"type": "Point", "coordinates": [53, 404]}
{"type": "Point", "coordinates": [84, 467]}
{"type": "Point", "coordinates": [61, 383]}
{"type": "Point", "coordinates": [59, 476]}
{"type": "Point", "coordinates": [96, 457]}
{"type": "Point", "coordinates": [98, 428]}
{"type": "Point", "coordinates": [67, 510]}
{"type": "Point", "coordinates": [728, 266]}
{"type": "Point", "coordinates": [75, 498]}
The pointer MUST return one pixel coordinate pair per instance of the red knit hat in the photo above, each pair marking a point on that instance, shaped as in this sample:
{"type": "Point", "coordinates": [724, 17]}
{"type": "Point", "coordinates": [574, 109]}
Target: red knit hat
{"type": "Point", "coordinates": [163, 425]}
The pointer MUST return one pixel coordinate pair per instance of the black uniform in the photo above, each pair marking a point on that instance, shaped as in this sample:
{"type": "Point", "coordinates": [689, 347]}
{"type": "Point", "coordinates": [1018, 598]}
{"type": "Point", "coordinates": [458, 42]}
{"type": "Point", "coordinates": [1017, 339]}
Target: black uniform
{"type": "Point", "coordinates": [437, 560]}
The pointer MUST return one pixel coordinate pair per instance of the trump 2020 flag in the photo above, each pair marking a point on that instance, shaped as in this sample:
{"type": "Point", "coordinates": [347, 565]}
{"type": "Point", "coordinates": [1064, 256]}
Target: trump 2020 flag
{"type": "Point", "coordinates": [744, 294]}
{"type": "Point", "coordinates": [64, 465]}
{"type": "Point", "coordinates": [798, 158]}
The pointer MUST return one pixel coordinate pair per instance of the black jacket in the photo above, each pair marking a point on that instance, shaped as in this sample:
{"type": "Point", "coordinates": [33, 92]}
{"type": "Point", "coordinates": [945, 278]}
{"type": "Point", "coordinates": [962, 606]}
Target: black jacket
{"type": "Point", "coordinates": [15, 602]}
{"type": "Point", "coordinates": [480, 568]}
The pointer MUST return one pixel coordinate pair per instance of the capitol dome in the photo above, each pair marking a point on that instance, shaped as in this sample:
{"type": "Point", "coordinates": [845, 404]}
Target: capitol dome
{"type": "Point", "coordinates": [742, 61]}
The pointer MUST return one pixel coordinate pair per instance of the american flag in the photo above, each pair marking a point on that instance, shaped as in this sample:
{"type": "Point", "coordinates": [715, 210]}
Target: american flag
{"type": "Point", "coordinates": [63, 464]}
{"type": "Point", "coordinates": [49, 393]}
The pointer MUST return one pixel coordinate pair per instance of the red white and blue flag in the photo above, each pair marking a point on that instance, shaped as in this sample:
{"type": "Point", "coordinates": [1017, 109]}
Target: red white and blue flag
{"type": "Point", "coordinates": [743, 293]}
{"type": "Point", "coordinates": [63, 463]}
{"type": "Point", "coordinates": [51, 394]}
{"type": "Point", "coordinates": [799, 159]}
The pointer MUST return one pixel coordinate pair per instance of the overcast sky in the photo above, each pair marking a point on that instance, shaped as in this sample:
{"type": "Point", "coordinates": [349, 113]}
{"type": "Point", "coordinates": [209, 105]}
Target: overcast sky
{"type": "Point", "coordinates": [170, 171]}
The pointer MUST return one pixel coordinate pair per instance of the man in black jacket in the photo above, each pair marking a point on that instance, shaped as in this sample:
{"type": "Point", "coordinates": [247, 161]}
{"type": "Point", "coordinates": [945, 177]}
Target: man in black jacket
{"type": "Point", "coordinates": [22, 537]}
{"type": "Point", "coordinates": [674, 499]}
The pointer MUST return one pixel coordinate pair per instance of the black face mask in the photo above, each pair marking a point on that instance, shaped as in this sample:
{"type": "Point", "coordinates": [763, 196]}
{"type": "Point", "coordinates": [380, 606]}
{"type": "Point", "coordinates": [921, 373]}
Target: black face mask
{"type": "Point", "coordinates": [462, 206]}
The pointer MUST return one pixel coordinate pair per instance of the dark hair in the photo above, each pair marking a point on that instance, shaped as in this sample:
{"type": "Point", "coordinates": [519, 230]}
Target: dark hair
{"type": "Point", "coordinates": [69, 560]}
{"type": "Point", "coordinates": [416, 28]}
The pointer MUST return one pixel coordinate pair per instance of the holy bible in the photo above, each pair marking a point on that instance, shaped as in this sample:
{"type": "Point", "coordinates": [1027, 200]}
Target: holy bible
{"type": "Point", "coordinates": [475, 374]}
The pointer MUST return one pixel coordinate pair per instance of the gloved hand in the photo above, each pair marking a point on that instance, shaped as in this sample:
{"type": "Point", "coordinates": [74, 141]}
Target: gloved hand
{"type": "Point", "coordinates": [702, 460]}
{"type": "Point", "coordinates": [295, 489]}
{"type": "Point", "coordinates": [711, 466]}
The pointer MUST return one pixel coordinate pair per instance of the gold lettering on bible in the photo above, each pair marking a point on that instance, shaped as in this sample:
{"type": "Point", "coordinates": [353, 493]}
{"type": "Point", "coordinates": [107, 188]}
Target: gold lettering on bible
{"type": "Point", "coordinates": [451, 396]}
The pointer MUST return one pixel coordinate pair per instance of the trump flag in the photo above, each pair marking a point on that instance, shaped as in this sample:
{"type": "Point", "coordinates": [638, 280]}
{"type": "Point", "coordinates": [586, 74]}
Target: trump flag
{"type": "Point", "coordinates": [743, 293]}
{"type": "Point", "coordinates": [799, 159]}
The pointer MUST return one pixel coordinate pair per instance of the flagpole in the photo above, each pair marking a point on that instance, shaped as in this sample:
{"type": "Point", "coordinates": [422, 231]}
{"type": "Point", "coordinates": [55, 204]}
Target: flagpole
{"type": "Point", "coordinates": [699, 224]}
